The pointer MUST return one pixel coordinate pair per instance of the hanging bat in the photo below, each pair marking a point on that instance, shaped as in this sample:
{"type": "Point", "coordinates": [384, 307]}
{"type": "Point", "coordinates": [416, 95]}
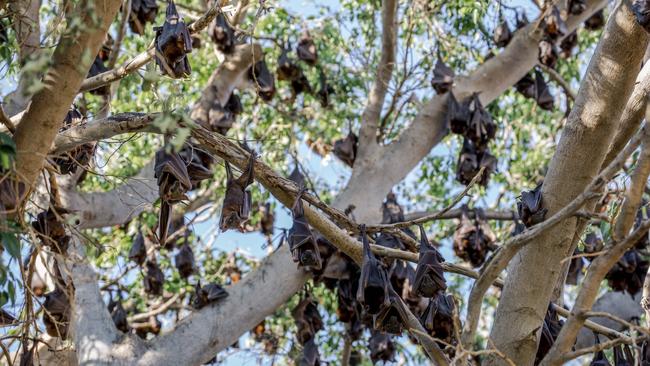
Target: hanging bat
{"type": "Point", "coordinates": [429, 275]}
{"type": "Point", "coordinates": [138, 251]}
{"type": "Point", "coordinates": [142, 12]}
{"type": "Point", "coordinates": [373, 283]}
{"type": "Point", "coordinates": [198, 164]}
{"type": "Point", "coordinates": [575, 269]}
{"type": "Point", "coordinates": [553, 24]}
{"type": "Point", "coordinates": [645, 353]}
{"type": "Point", "coordinates": [530, 206]}
{"type": "Point", "coordinates": [95, 69]}
{"type": "Point", "coordinates": [489, 162]}
{"type": "Point", "coordinates": [401, 272]}
{"type": "Point", "coordinates": [219, 119]}
{"type": "Point", "coordinates": [325, 90]}
{"type": "Point", "coordinates": [267, 219]}
{"type": "Point", "coordinates": [287, 70]}
{"type": "Point", "coordinates": [458, 114]}
{"type": "Point", "coordinates": [173, 182]}
{"type": "Point", "coordinates": [300, 85]}
{"type": "Point", "coordinates": [310, 355]}
{"type": "Point", "coordinates": [481, 128]}
{"type": "Point", "coordinates": [173, 43]}
{"type": "Point", "coordinates": [443, 77]}
{"type": "Point", "coordinates": [543, 95]}
{"type": "Point", "coordinates": [346, 149]}
{"type": "Point", "coordinates": [302, 243]}
{"type": "Point", "coordinates": [576, 7]}
{"type": "Point", "coordinates": [547, 53]}
{"type": "Point", "coordinates": [51, 230]}
{"type": "Point", "coordinates": [596, 21]}
{"type": "Point", "coordinates": [184, 261]}
{"type": "Point", "coordinates": [568, 44]}
{"type": "Point", "coordinates": [233, 105]}
{"type": "Point", "coordinates": [593, 243]}
{"type": "Point", "coordinates": [392, 212]}
{"type": "Point", "coordinates": [468, 165]}
{"type": "Point", "coordinates": [550, 330]}
{"type": "Point", "coordinates": [297, 177]}
{"type": "Point", "coordinates": [502, 34]}
{"type": "Point", "coordinates": [438, 317]}
{"type": "Point", "coordinates": [118, 314]}
{"type": "Point", "coordinates": [392, 318]}
{"type": "Point", "coordinates": [153, 279]}
{"type": "Point", "coordinates": [526, 86]}
{"type": "Point", "coordinates": [263, 80]}
{"type": "Point", "coordinates": [381, 347]}
{"type": "Point", "coordinates": [307, 319]}
{"type": "Point", "coordinates": [237, 202]}
{"type": "Point", "coordinates": [306, 49]}
{"type": "Point", "coordinates": [223, 35]}
{"type": "Point", "coordinates": [208, 294]}
{"type": "Point", "coordinates": [57, 315]}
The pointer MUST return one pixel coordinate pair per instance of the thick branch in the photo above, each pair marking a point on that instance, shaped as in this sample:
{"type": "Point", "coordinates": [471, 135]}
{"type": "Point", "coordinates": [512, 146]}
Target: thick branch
{"type": "Point", "coordinates": [70, 63]}
{"type": "Point", "coordinates": [372, 113]}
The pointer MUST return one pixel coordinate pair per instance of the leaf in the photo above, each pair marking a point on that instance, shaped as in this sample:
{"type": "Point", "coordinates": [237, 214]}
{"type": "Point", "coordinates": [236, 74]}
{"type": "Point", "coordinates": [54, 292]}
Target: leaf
{"type": "Point", "coordinates": [11, 243]}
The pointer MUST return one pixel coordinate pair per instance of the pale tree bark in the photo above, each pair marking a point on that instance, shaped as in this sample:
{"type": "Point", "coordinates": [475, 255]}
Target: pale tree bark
{"type": "Point", "coordinates": [579, 155]}
{"type": "Point", "coordinates": [70, 63]}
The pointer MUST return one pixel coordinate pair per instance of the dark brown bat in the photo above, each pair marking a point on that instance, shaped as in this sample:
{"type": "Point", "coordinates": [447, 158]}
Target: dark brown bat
{"type": "Point", "coordinates": [543, 95]}
{"type": "Point", "coordinates": [118, 314]}
{"type": "Point", "coordinates": [553, 24]}
{"type": "Point", "coordinates": [79, 156]}
{"type": "Point", "coordinates": [373, 283]}
{"type": "Point", "coordinates": [438, 317]}
{"type": "Point", "coordinates": [443, 77]}
{"type": "Point", "coordinates": [473, 239]}
{"type": "Point", "coordinates": [153, 279]}
{"type": "Point", "coordinates": [297, 177]}
{"type": "Point", "coordinates": [346, 149]}
{"type": "Point", "coordinates": [392, 212]}
{"type": "Point", "coordinates": [502, 34]}
{"type": "Point", "coordinates": [95, 69]}
{"type": "Point", "coordinates": [208, 294]}
{"type": "Point", "coordinates": [459, 114]}
{"type": "Point", "coordinates": [184, 261]}
{"type": "Point", "coordinates": [576, 7]}
{"type": "Point", "coordinates": [57, 315]}
{"type": "Point", "coordinates": [381, 347]}
{"type": "Point", "coordinates": [401, 277]}
{"type": "Point", "coordinates": [142, 12]}
{"type": "Point", "coordinates": [550, 330]}
{"type": "Point", "coordinates": [219, 119]}
{"type": "Point", "coordinates": [173, 183]}
{"type": "Point", "coordinates": [325, 90]}
{"type": "Point", "coordinates": [575, 269]}
{"type": "Point", "coordinates": [568, 44]}
{"type": "Point", "coordinates": [263, 80]}
{"type": "Point", "coordinates": [287, 69]}
{"type": "Point", "coordinates": [547, 53]}
{"type": "Point", "coordinates": [223, 35]}
{"type": "Point", "coordinates": [307, 319]}
{"type": "Point", "coordinates": [306, 49]}
{"type": "Point", "coordinates": [593, 243]}
{"type": "Point", "coordinates": [138, 251]}
{"type": "Point", "coordinates": [302, 242]}
{"type": "Point", "coordinates": [623, 356]}
{"type": "Point", "coordinates": [599, 357]}
{"type": "Point", "coordinates": [173, 43]}
{"type": "Point", "coordinates": [628, 273]}
{"type": "Point", "coordinates": [237, 202]}
{"type": "Point", "coordinates": [429, 275]}
{"type": "Point", "coordinates": [267, 219]}
{"type": "Point", "coordinates": [391, 319]}
{"type": "Point", "coordinates": [300, 85]}
{"type": "Point", "coordinates": [468, 164]}
{"type": "Point", "coordinates": [596, 21]}
{"type": "Point", "coordinates": [310, 355]}
{"type": "Point", "coordinates": [197, 162]}
{"type": "Point", "coordinates": [51, 230]}
{"type": "Point", "coordinates": [530, 206]}
{"type": "Point", "coordinates": [526, 86]}
{"type": "Point", "coordinates": [233, 105]}
{"type": "Point", "coordinates": [481, 128]}
{"type": "Point", "coordinates": [645, 354]}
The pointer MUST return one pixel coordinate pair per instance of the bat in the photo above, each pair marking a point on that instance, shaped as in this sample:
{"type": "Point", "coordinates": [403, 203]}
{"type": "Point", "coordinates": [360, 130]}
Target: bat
{"type": "Point", "coordinates": [458, 114]}
{"type": "Point", "coordinates": [392, 212]}
{"type": "Point", "coordinates": [57, 315]}
{"type": "Point", "coordinates": [142, 12]}
{"type": "Point", "coordinates": [118, 314]}
{"type": "Point", "coordinates": [325, 90]}
{"type": "Point", "coordinates": [153, 278]}
{"type": "Point", "coordinates": [467, 166]}
{"type": "Point", "coordinates": [596, 21]}
{"type": "Point", "coordinates": [300, 85]}
{"type": "Point", "coordinates": [429, 275]}
{"type": "Point", "coordinates": [593, 243]}
{"type": "Point", "coordinates": [645, 354]}
{"type": "Point", "coordinates": [51, 231]}
{"type": "Point", "coordinates": [489, 162]}
{"type": "Point", "coordinates": [373, 283]}
{"type": "Point", "coordinates": [502, 34]}
{"type": "Point", "coordinates": [303, 246]}
{"type": "Point", "coordinates": [310, 355]}
{"type": "Point", "coordinates": [95, 69]}
{"type": "Point", "coordinates": [521, 20]}
{"type": "Point", "coordinates": [267, 220]}
{"type": "Point", "coordinates": [208, 294]}
{"type": "Point", "coordinates": [550, 330]}
{"type": "Point", "coordinates": [438, 317]}
{"type": "Point", "coordinates": [173, 43]}
{"type": "Point", "coordinates": [346, 149]}
{"type": "Point", "coordinates": [287, 69]}
{"type": "Point", "coordinates": [223, 35]}
{"type": "Point", "coordinates": [526, 86]}
{"type": "Point", "coordinates": [553, 25]}
{"type": "Point", "coordinates": [547, 53]}
{"type": "Point", "coordinates": [233, 105]}
{"type": "Point", "coordinates": [306, 49]}
{"type": "Point", "coordinates": [568, 44]}
{"type": "Point", "coordinates": [530, 206]}
{"type": "Point", "coordinates": [173, 182]}
{"type": "Point", "coordinates": [184, 261]}
{"type": "Point", "coordinates": [307, 319]}
{"type": "Point", "coordinates": [575, 269]}
{"type": "Point", "coordinates": [263, 80]}
{"type": "Point", "coordinates": [481, 128]}
{"type": "Point", "coordinates": [237, 202]}
{"type": "Point", "coordinates": [297, 177]}
{"type": "Point", "coordinates": [443, 77]}
{"type": "Point", "coordinates": [391, 318]}
{"type": "Point", "coordinates": [543, 95]}
{"type": "Point", "coordinates": [576, 7]}
{"type": "Point", "coordinates": [473, 239]}
{"type": "Point", "coordinates": [381, 347]}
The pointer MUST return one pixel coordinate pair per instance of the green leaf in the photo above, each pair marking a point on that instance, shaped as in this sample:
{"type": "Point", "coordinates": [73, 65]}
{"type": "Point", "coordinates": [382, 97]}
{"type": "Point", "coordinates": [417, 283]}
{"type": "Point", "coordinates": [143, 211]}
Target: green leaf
{"type": "Point", "coordinates": [11, 243]}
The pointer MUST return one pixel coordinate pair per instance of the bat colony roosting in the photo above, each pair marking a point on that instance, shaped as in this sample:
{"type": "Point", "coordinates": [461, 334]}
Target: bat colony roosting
{"type": "Point", "coordinates": [379, 293]}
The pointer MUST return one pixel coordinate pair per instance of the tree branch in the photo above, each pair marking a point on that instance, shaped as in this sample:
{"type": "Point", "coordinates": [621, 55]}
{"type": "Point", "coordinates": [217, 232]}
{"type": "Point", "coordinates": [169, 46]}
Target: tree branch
{"type": "Point", "coordinates": [372, 112]}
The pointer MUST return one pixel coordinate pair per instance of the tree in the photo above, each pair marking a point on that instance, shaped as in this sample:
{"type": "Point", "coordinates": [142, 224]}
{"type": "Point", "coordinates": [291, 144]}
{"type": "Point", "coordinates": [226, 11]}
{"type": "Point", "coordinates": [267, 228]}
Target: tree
{"type": "Point", "coordinates": [119, 171]}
